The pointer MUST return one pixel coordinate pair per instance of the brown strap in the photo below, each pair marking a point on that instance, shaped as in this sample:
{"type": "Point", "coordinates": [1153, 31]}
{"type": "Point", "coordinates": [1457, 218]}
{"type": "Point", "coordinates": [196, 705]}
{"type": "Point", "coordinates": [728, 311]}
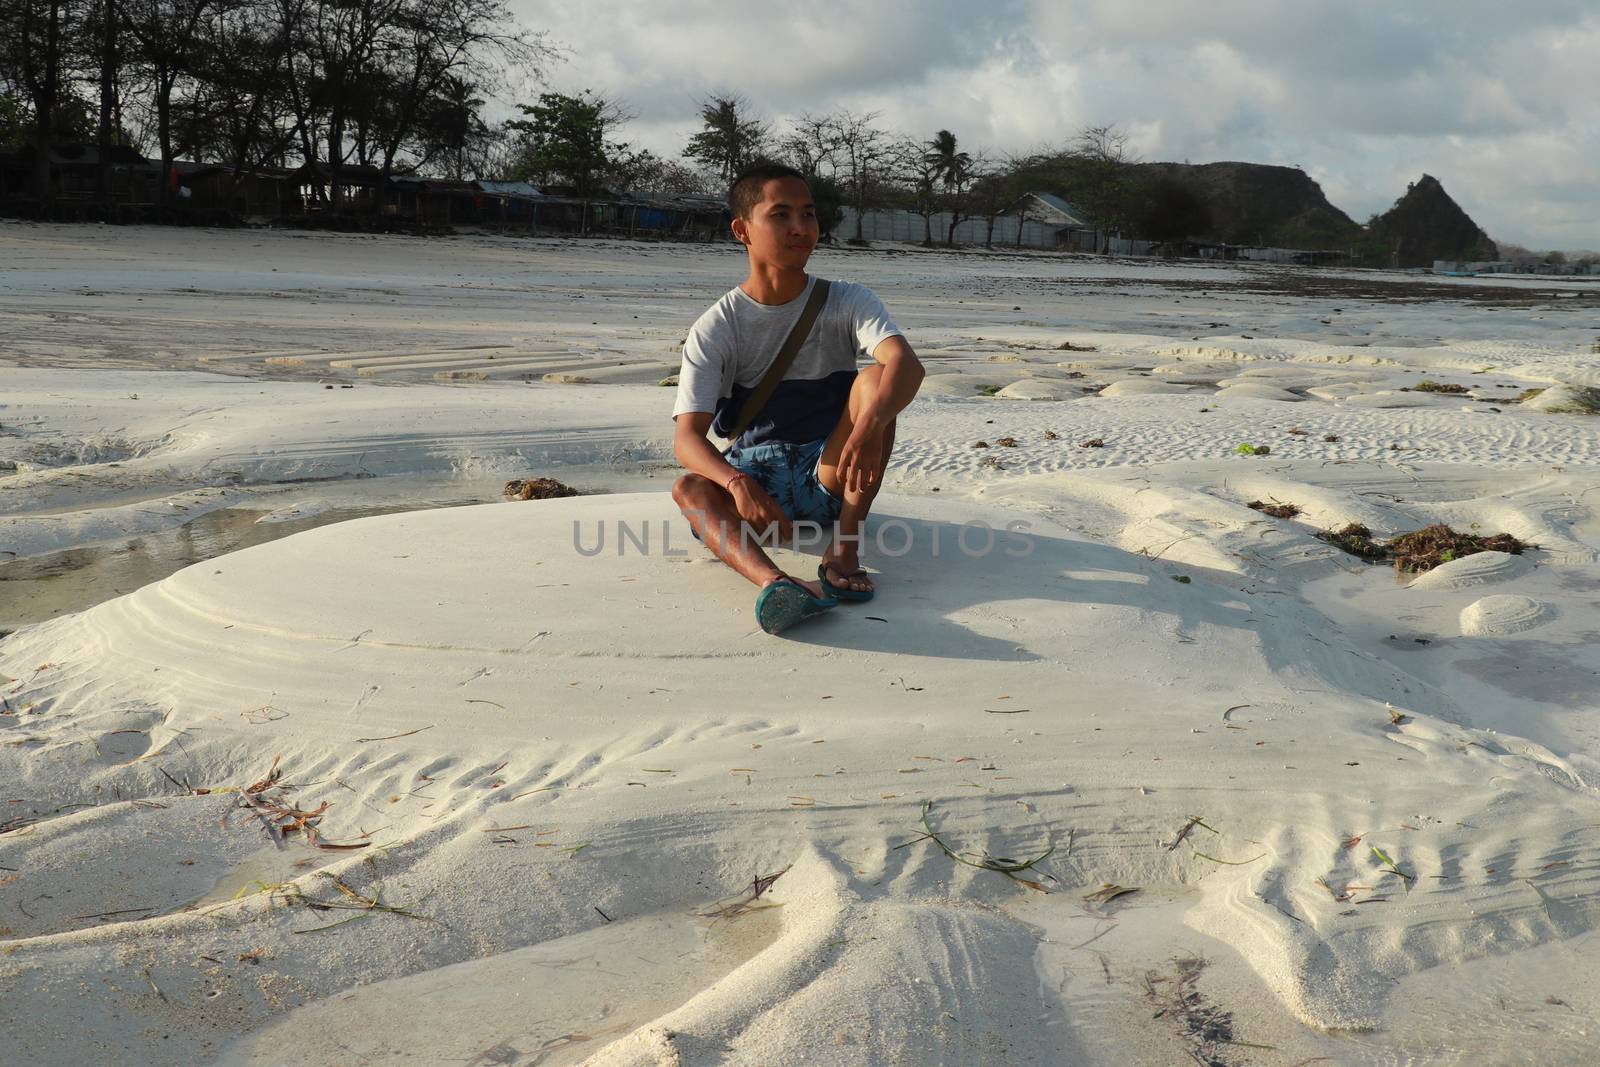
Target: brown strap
{"type": "Point", "coordinates": [780, 366]}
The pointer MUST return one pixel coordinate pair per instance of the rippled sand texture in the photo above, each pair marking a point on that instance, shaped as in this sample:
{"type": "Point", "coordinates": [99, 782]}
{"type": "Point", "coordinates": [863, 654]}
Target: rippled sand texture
{"type": "Point", "coordinates": [597, 816]}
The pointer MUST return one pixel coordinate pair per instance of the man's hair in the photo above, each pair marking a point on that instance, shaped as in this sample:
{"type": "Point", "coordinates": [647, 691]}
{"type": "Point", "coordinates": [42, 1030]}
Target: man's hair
{"type": "Point", "coordinates": [745, 192]}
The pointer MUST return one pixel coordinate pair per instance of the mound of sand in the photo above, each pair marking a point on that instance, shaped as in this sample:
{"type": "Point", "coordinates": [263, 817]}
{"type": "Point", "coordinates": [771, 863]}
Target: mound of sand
{"type": "Point", "coordinates": [1142, 387]}
{"type": "Point", "coordinates": [1565, 400]}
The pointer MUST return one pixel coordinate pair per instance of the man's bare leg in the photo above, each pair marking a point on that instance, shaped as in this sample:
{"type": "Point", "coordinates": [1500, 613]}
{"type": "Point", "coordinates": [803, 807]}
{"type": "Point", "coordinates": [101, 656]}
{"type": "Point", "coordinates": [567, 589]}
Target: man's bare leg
{"type": "Point", "coordinates": [710, 510]}
{"type": "Point", "coordinates": [843, 557]}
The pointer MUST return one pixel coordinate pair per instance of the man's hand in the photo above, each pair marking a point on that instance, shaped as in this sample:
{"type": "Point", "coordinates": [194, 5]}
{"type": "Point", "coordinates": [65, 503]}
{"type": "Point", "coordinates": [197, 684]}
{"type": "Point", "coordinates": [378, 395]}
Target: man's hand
{"type": "Point", "coordinates": [861, 459]}
{"type": "Point", "coordinates": [756, 507]}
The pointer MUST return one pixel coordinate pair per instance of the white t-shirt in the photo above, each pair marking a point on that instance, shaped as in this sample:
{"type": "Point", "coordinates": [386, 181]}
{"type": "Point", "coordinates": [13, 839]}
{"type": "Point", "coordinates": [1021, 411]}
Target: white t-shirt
{"type": "Point", "coordinates": [731, 346]}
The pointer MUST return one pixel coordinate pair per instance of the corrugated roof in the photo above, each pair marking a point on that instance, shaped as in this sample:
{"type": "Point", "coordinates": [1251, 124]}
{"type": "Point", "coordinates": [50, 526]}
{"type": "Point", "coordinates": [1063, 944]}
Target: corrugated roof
{"type": "Point", "coordinates": [523, 189]}
{"type": "Point", "coordinates": [1071, 216]}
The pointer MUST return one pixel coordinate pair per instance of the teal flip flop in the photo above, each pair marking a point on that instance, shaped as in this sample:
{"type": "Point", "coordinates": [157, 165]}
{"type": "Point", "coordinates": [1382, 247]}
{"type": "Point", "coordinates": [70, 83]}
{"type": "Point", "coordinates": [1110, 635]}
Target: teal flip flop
{"type": "Point", "coordinates": [785, 602]}
{"type": "Point", "coordinates": [855, 596]}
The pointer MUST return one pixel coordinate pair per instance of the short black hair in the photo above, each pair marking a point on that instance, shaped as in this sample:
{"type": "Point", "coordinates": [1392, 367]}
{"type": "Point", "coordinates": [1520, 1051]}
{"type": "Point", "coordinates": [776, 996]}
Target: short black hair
{"type": "Point", "coordinates": [745, 192]}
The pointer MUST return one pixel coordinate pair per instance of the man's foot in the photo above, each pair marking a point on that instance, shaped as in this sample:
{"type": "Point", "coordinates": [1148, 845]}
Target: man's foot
{"type": "Point", "coordinates": [816, 589]}
{"type": "Point", "coordinates": [846, 579]}
{"type": "Point", "coordinates": [785, 601]}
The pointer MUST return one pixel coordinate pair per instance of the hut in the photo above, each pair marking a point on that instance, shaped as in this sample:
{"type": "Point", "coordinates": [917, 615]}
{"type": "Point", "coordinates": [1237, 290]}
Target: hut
{"type": "Point", "coordinates": [311, 187]}
{"type": "Point", "coordinates": [1074, 230]}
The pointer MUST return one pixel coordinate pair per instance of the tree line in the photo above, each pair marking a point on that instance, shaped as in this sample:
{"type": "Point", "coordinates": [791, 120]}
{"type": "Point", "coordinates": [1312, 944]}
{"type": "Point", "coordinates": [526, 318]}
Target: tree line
{"type": "Point", "coordinates": [399, 85]}
{"type": "Point", "coordinates": [405, 87]}
{"type": "Point", "coordinates": [851, 160]}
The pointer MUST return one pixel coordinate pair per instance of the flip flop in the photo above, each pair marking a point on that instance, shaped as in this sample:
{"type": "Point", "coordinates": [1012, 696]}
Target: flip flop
{"type": "Point", "coordinates": [856, 596]}
{"type": "Point", "coordinates": [785, 602]}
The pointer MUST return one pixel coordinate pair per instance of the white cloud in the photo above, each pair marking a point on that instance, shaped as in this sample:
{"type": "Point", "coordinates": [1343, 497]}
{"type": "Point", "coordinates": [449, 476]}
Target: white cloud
{"type": "Point", "coordinates": [1494, 99]}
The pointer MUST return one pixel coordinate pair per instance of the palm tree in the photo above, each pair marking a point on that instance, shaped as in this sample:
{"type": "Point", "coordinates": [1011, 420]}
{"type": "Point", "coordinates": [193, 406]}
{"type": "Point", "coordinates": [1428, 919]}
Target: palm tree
{"type": "Point", "coordinates": [950, 168]}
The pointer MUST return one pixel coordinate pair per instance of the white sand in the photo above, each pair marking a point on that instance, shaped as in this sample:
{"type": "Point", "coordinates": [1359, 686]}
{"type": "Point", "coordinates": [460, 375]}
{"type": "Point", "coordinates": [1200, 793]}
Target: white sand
{"type": "Point", "coordinates": [560, 762]}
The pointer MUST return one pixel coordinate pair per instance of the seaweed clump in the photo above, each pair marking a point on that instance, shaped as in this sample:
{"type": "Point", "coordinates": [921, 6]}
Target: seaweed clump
{"type": "Point", "coordinates": [1277, 511]}
{"type": "Point", "coordinates": [1426, 386]}
{"type": "Point", "coordinates": [1420, 550]}
{"type": "Point", "coordinates": [1427, 548]}
{"type": "Point", "coordinates": [537, 489]}
{"type": "Point", "coordinates": [1355, 539]}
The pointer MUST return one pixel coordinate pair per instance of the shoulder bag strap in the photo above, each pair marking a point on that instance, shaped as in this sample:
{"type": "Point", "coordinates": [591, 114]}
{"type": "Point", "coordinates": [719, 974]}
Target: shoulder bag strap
{"type": "Point", "coordinates": [780, 366]}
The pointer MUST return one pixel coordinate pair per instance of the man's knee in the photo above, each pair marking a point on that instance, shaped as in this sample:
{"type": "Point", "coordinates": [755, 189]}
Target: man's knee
{"type": "Point", "coordinates": [693, 491]}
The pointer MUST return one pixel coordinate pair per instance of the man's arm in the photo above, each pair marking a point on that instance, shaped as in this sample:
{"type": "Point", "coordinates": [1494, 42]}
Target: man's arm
{"type": "Point", "coordinates": [695, 453]}
{"type": "Point", "coordinates": [902, 376]}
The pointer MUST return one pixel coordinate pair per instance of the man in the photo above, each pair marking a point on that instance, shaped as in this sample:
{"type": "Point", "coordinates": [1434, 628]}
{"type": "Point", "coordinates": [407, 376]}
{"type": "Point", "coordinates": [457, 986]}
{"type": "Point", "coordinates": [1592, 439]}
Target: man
{"type": "Point", "coordinates": [816, 450]}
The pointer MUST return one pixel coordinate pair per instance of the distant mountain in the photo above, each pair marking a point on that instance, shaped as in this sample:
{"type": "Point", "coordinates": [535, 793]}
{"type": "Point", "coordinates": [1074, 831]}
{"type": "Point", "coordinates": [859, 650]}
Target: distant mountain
{"type": "Point", "coordinates": [1425, 225]}
{"type": "Point", "coordinates": [1256, 204]}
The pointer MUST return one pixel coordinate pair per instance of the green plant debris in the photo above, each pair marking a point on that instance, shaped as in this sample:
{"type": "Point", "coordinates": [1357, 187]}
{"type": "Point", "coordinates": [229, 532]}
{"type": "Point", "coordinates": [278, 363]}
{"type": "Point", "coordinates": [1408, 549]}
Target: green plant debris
{"type": "Point", "coordinates": [1247, 449]}
{"type": "Point", "coordinates": [1393, 867]}
{"type": "Point", "coordinates": [1428, 386]}
{"type": "Point", "coordinates": [999, 864]}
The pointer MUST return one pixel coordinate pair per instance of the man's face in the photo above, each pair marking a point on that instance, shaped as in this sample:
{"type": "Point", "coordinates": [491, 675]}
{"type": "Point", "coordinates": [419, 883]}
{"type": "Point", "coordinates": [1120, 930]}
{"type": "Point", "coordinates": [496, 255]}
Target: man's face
{"type": "Point", "coordinates": [782, 228]}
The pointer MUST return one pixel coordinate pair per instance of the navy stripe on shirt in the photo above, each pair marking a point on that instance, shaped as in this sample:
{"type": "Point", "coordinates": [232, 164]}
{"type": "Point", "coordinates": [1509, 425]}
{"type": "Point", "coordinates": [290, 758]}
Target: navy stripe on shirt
{"type": "Point", "coordinates": [798, 410]}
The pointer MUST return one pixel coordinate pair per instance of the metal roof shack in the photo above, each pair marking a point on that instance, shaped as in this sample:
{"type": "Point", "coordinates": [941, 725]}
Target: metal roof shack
{"type": "Point", "coordinates": [1051, 210]}
{"type": "Point", "coordinates": [74, 170]}
{"type": "Point", "coordinates": [314, 186]}
{"type": "Point", "coordinates": [1073, 228]}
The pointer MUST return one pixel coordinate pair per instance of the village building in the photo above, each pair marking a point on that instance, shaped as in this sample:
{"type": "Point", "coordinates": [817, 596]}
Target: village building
{"type": "Point", "coordinates": [1073, 230]}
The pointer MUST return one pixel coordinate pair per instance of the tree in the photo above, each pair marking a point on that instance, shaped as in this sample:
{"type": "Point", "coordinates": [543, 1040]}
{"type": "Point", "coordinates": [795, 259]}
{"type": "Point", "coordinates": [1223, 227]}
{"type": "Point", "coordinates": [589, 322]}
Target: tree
{"type": "Point", "coordinates": [16, 122]}
{"type": "Point", "coordinates": [246, 64]}
{"type": "Point", "coordinates": [865, 156]}
{"type": "Point", "coordinates": [109, 26]}
{"type": "Point", "coordinates": [450, 129]}
{"type": "Point", "coordinates": [1170, 211]}
{"type": "Point", "coordinates": [731, 138]}
{"type": "Point", "coordinates": [1097, 177]}
{"type": "Point", "coordinates": [564, 139]}
{"type": "Point", "coordinates": [918, 170]}
{"type": "Point", "coordinates": [36, 37]}
{"type": "Point", "coordinates": [991, 194]}
{"type": "Point", "coordinates": [439, 63]}
{"type": "Point", "coordinates": [651, 172]}
{"type": "Point", "coordinates": [812, 145]}
{"type": "Point", "coordinates": [952, 169]}
{"type": "Point", "coordinates": [167, 47]}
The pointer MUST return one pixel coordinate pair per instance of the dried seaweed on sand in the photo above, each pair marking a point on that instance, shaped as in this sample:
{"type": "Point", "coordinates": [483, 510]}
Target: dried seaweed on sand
{"type": "Point", "coordinates": [1425, 549]}
{"type": "Point", "coordinates": [268, 799]}
{"type": "Point", "coordinates": [1276, 509]}
{"type": "Point", "coordinates": [537, 489]}
{"type": "Point", "coordinates": [745, 902]}
{"type": "Point", "coordinates": [1355, 539]}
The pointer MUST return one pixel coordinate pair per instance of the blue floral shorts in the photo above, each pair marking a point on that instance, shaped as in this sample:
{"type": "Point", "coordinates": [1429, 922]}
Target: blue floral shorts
{"type": "Point", "coordinates": [788, 472]}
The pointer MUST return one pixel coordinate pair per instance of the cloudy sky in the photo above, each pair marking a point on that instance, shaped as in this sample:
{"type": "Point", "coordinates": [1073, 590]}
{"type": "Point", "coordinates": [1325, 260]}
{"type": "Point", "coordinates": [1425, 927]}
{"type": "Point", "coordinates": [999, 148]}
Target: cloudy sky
{"type": "Point", "coordinates": [1497, 100]}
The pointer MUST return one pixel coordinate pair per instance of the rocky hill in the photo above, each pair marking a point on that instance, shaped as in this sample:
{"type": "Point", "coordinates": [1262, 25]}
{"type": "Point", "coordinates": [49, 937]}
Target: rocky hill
{"type": "Point", "coordinates": [1257, 204]}
{"type": "Point", "coordinates": [1426, 224]}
